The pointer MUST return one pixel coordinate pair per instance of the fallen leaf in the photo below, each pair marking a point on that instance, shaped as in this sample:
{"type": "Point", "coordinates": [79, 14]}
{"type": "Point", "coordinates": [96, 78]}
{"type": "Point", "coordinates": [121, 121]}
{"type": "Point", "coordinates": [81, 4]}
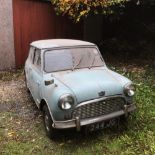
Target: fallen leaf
{"type": "Point", "coordinates": [62, 144]}
{"type": "Point", "coordinates": [11, 134]}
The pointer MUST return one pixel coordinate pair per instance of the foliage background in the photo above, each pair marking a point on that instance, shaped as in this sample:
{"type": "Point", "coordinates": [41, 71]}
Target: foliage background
{"type": "Point", "coordinates": [77, 9]}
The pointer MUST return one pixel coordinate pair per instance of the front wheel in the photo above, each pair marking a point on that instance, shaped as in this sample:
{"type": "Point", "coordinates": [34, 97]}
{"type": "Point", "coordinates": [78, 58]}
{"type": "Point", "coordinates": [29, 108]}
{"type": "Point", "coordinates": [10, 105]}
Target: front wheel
{"type": "Point", "coordinates": [124, 122]}
{"type": "Point", "coordinates": [50, 131]}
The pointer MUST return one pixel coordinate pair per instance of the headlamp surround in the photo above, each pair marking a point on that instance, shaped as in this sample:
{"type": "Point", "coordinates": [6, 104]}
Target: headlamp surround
{"type": "Point", "coordinates": [66, 102]}
{"type": "Point", "coordinates": [129, 90]}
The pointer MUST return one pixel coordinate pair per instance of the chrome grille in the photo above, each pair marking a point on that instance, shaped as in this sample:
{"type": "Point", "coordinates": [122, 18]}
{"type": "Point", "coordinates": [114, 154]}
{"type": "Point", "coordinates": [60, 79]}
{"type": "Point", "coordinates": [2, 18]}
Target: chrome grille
{"type": "Point", "coordinates": [96, 109]}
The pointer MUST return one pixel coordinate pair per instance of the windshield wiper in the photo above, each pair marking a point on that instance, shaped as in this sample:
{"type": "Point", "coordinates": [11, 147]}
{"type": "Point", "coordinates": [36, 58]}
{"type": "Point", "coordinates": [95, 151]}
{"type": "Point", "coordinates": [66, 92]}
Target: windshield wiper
{"type": "Point", "coordinates": [91, 65]}
{"type": "Point", "coordinates": [78, 63]}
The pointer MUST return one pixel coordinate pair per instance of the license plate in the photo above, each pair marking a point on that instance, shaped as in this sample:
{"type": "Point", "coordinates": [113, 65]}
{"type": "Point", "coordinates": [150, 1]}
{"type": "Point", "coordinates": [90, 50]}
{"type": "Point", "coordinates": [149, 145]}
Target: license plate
{"type": "Point", "coordinates": [102, 125]}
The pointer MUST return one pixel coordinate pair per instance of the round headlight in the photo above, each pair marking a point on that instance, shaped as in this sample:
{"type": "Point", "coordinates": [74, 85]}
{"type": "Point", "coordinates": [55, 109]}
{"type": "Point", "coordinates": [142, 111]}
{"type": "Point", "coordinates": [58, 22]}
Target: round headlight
{"type": "Point", "coordinates": [66, 102]}
{"type": "Point", "coordinates": [129, 90]}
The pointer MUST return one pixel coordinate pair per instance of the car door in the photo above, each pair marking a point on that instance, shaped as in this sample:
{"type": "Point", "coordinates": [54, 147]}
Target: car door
{"type": "Point", "coordinates": [28, 67]}
{"type": "Point", "coordinates": [36, 76]}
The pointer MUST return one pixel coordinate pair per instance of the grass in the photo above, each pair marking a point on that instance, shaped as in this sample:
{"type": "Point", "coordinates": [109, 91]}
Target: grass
{"type": "Point", "coordinates": [28, 137]}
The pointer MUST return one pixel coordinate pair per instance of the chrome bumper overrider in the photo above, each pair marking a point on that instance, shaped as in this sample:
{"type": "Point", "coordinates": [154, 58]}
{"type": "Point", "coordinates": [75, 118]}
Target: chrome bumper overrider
{"type": "Point", "coordinates": [77, 123]}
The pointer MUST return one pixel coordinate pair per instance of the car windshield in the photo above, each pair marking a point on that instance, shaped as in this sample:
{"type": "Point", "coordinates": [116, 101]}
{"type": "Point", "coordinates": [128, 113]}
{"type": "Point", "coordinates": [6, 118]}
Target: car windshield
{"type": "Point", "coordinates": [72, 58]}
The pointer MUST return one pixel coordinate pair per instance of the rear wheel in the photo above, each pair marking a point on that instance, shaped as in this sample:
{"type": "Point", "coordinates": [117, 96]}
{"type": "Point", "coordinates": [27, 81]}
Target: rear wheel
{"type": "Point", "coordinates": [26, 85]}
{"type": "Point", "coordinates": [50, 131]}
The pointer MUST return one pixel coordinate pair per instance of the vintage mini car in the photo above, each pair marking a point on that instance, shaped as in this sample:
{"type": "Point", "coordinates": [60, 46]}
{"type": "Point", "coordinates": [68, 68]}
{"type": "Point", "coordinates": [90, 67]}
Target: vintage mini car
{"type": "Point", "coordinates": [71, 84]}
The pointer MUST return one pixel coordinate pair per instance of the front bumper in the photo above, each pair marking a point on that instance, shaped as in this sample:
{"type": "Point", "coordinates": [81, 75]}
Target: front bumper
{"type": "Point", "coordinates": [77, 123]}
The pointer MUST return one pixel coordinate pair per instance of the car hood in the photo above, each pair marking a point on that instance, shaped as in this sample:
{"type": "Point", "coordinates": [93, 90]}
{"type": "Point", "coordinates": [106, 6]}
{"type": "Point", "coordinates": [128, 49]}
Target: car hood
{"type": "Point", "coordinates": [87, 84]}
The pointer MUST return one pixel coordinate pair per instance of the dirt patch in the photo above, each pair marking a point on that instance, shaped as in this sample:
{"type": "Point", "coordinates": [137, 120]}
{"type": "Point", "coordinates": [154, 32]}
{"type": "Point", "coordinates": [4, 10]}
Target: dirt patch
{"type": "Point", "coordinates": [19, 115]}
{"type": "Point", "coordinates": [14, 98]}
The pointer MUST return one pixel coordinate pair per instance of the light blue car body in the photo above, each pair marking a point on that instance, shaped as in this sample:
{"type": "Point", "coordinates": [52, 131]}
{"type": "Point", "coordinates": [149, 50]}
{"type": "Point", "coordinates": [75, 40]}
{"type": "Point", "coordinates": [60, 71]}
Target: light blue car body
{"type": "Point", "coordinates": [83, 84]}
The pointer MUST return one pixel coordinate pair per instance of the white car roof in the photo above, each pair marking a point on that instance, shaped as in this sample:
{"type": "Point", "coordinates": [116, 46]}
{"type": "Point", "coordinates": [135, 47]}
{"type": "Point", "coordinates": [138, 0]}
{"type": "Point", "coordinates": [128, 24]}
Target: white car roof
{"type": "Point", "coordinates": [52, 43]}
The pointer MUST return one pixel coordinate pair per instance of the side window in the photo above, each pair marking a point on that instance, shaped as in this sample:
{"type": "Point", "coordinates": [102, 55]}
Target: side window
{"type": "Point", "coordinates": [37, 58]}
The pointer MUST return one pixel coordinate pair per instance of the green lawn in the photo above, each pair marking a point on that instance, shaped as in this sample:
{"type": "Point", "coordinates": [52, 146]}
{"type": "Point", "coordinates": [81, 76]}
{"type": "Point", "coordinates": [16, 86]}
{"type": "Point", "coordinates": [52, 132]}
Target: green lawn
{"type": "Point", "coordinates": [22, 135]}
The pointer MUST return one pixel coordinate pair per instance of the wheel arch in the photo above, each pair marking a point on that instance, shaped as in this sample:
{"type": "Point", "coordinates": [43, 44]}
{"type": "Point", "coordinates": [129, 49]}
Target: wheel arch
{"type": "Point", "coordinates": [44, 102]}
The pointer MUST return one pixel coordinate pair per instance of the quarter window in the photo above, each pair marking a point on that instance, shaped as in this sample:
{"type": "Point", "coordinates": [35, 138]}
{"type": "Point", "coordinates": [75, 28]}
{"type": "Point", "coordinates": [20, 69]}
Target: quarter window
{"type": "Point", "coordinates": [31, 54]}
{"type": "Point", "coordinates": [37, 58]}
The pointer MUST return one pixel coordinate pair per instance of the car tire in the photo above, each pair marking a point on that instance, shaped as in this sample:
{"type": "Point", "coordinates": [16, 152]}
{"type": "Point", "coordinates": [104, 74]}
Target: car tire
{"type": "Point", "coordinates": [124, 122]}
{"type": "Point", "coordinates": [50, 131]}
{"type": "Point", "coordinates": [27, 89]}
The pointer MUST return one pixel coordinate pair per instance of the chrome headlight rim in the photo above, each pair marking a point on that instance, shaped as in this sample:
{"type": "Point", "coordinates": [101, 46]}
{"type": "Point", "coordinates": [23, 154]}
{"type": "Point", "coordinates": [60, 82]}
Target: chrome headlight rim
{"type": "Point", "coordinates": [129, 90]}
{"type": "Point", "coordinates": [66, 102]}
